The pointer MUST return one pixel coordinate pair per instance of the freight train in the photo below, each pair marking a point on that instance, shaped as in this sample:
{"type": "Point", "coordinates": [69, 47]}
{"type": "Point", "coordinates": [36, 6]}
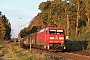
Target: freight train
{"type": "Point", "coordinates": [50, 38]}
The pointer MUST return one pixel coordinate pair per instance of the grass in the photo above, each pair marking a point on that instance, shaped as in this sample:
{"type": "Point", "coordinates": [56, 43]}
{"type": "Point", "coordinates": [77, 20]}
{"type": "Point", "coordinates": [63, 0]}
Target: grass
{"type": "Point", "coordinates": [1, 51]}
{"type": "Point", "coordinates": [15, 52]}
{"type": "Point", "coordinates": [1, 45]}
{"type": "Point", "coordinates": [2, 54]}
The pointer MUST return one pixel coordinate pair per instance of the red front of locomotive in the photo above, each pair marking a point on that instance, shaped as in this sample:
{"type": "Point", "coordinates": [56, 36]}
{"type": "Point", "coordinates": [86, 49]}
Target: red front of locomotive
{"type": "Point", "coordinates": [52, 38]}
{"type": "Point", "coordinates": [56, 38]}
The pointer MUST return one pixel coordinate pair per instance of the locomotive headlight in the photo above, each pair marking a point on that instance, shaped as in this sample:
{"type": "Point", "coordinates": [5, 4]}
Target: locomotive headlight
{"type": "Point", "coordinates": [51, 37]}
{"type": "Point", "coordinates": [61, 38]}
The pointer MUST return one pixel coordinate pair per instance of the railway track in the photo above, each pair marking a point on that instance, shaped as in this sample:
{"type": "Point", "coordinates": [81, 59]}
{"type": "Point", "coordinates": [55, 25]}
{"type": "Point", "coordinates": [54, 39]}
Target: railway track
{"type": "Point", "coordinates": [73, 56]}
{"type": "Point", "coordinates": [81, 55]}
{"type": "Point", "coordinates": [61, 55]}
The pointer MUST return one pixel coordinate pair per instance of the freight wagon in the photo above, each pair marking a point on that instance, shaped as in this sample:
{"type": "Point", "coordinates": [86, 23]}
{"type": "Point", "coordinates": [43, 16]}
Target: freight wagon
{"type": "Point", "coordinates": [31, 38]}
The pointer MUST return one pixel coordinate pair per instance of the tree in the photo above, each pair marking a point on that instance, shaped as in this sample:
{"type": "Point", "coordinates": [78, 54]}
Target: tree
{"type": "Point", "coordinates": [5, 28]}
{"type": "Point", "coordinates": [55, 12]}
{"type": "Point", "coordinates": [87, 4]}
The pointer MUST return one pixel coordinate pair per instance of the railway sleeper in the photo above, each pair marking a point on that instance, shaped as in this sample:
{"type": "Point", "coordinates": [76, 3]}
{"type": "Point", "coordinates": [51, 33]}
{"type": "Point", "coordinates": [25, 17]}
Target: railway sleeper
{"type": "Point", "coordinates": [56, 48]}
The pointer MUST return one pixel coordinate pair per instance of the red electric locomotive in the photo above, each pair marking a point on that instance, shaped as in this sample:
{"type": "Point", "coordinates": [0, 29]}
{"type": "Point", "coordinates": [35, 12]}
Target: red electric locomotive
{"type": "Point", "coordinates": [48, 38]}
{"type": "Point", "coordinates": [51, 38]}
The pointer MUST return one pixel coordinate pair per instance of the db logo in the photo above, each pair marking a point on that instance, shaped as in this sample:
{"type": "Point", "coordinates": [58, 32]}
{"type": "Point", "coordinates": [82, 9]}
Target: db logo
{"type": "Point", "coordinates": [56, 37]}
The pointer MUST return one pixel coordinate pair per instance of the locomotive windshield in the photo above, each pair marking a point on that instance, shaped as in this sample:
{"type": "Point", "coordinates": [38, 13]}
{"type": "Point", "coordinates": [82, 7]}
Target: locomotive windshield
{"type": "Point", "coordinates": [56, 31]}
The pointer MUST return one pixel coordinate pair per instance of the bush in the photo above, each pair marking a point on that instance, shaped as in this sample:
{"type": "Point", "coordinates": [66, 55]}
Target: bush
{"type": "Point", "coordinates": [88, 47]}
{"type": "Point", "coordinates": [76, 45]}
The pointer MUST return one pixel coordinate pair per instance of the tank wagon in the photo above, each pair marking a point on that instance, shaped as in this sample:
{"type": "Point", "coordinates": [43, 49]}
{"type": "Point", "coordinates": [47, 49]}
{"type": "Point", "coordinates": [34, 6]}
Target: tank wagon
{"type": "Point", "coordinates": [48, 38]}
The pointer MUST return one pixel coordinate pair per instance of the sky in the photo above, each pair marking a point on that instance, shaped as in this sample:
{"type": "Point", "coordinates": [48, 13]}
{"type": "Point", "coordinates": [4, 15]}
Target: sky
{"type": "Point", "coordinates": [26, 9]}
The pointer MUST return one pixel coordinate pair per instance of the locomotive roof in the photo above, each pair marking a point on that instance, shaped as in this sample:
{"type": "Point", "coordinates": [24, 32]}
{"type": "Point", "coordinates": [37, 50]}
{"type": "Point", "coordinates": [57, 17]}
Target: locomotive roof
{"type": "Point", "coordinates": [50, 28]}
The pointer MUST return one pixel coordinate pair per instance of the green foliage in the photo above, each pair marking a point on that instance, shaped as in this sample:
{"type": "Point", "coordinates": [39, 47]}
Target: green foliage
{"type": "Point", "coordinates": [55, 12]}
{"type": "Point", "coordinates": [45, 6]}
{"type": "Point", "coordinates": [34, 29]}
{"type": "Point", "coordinates": [24, 32]}
{"type": "Point", "coordinates": [88, 47]}
{"type": "Point", "coordinates": [2, 54]}
{"type": "Point", "coordinates": [5, 28]}
{"type": "Point", "coordinates": [76, 45]}
{"type": "Point", "coordinates": [27, 31]}
{"type": "Point", "coordinates": [84, 36]}
{"type": "Point", "coordinates": [51, 14]}
{"type": "Point", "coordinates": [1, 46]}
{"type": "Point", "coordinates": [30, 58]}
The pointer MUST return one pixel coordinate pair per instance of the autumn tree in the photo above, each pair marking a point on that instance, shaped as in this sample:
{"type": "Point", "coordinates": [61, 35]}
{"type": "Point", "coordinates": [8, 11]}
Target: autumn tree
{"type": "Point", "coordinates": [5, 27]}
{"type": "Point", "coordinates": [87, 4]}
